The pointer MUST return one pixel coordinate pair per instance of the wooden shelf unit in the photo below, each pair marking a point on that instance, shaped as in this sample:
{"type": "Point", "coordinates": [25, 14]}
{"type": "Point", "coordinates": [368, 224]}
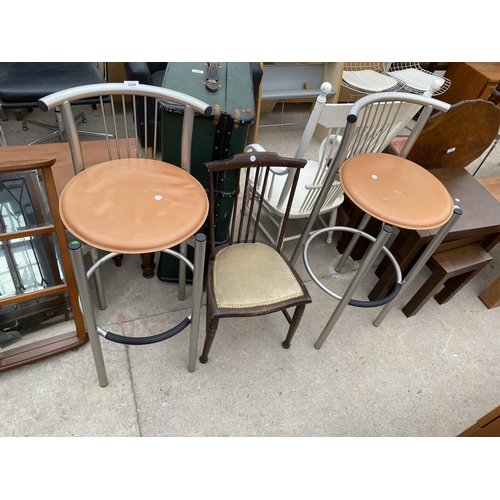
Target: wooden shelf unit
{"type": "Point", "coordinates": [63, 288]}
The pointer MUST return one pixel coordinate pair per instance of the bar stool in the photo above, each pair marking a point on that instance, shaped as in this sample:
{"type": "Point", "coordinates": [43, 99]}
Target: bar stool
{"type": "Point", "coordinates": [400, 193]}
{"type": "Point", "coordinates": [135, 206]}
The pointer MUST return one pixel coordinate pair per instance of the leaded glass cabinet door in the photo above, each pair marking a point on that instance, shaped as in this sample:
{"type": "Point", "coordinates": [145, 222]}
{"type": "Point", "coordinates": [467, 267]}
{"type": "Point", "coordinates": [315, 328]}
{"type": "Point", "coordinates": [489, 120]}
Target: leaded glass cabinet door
{"type": "Point", "coordinates": [39, 312]}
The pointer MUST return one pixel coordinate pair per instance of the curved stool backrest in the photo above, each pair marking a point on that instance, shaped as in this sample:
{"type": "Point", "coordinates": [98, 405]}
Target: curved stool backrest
{"type": "Point", "coordinates": [367, 125]}
{"type": "Point", "coordinates": [119, 118]}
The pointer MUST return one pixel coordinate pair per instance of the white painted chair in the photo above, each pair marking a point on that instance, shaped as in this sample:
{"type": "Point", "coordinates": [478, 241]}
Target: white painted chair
{"type": "Point", "coordinates": [377, 125]}
{"type": "Point", "coordinates": [310, 182]}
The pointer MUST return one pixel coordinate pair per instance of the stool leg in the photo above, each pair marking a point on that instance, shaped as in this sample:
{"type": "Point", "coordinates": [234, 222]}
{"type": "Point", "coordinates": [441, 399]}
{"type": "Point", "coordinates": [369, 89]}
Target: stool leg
{"type": "Point", "coordinates": [434, 243]}
{"type": "Point", "coordinates": [76, 254]}
{"type": "Point", "coordinates": [200, 242]}
{"type": "Point", "coordinates": [352, 243]}
{"type": "Point", "coordinates": [351, 289]}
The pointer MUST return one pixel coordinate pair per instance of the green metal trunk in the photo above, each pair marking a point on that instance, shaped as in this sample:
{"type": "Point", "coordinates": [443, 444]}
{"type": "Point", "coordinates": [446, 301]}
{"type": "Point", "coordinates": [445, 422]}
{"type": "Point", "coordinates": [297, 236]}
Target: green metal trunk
{"type": "Point", "coordinates": [215, 137]}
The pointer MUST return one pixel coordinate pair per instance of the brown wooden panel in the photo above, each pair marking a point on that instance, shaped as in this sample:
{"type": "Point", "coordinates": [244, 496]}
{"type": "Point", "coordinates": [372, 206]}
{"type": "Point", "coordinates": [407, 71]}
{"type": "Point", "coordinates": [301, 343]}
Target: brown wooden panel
{"type": "Point", "coordinates": [491, 296]}
{"type": "Point", "coordinates": [93, 152]}
{"type": "Point", "coordinates": [470, 81]}
{"type": "Point", "coordinates": [487, 426]}
{"type": "Point", "coordinates": [492, 184]}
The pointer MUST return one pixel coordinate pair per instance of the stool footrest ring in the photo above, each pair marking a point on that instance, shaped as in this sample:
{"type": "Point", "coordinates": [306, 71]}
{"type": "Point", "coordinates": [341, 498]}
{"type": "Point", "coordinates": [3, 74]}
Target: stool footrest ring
{"type": "Point", "coordinates": [353, 302]}
{"type": "Point", "coordinates": [121, 339]}
{"type": "Point", "coordinates": [151, 339]}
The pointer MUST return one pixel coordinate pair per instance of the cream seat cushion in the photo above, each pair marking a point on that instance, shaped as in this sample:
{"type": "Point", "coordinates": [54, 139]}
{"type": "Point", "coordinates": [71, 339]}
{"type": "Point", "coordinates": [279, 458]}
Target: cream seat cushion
{"type": "Point", "coordinates": [369, 80]}
{"type": "Point", "coordinates": [417, 79]}
{"type": "Point", "coordinates": [252, 275]}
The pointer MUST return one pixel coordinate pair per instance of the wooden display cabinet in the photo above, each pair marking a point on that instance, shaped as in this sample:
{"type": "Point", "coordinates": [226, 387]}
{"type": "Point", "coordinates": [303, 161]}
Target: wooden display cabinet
{"type": "Point", "coordinates": [470, 80]}
{"type": "Point", "coordinates": [39, 311]}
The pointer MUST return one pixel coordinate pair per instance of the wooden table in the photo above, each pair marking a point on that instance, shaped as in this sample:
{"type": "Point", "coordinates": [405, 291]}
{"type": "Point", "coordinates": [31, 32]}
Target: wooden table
{"type": "Point", "coordinates": [491, 296]}
{"type": "Point", "coordinates": [480, 223]}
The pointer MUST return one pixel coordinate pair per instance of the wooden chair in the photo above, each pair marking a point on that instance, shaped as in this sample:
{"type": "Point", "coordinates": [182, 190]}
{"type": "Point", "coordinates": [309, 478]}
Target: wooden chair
{"type": "Point", "coordinates": [378, 124]}
{"type": "Point", "coordinates": [247, 277]}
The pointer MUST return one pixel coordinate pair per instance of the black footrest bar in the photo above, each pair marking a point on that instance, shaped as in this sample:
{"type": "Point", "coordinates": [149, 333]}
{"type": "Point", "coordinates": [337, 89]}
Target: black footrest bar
{"type": "Point", "coordinates": [152, 339]}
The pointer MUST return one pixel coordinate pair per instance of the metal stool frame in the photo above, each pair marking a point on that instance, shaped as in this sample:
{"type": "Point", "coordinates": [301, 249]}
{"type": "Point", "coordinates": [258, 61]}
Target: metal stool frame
{"type": "Point", "coordinates": [82, 276]}
{"type": "Point", "coordinates": [342, 154]}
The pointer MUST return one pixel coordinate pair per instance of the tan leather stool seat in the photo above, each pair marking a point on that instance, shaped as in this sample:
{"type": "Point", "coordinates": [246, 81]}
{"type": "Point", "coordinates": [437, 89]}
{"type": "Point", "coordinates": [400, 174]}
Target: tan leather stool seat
{"type": "Point", "coordinates": [133, 206]}
{"type": "Point", "coordinates": [396, 191]}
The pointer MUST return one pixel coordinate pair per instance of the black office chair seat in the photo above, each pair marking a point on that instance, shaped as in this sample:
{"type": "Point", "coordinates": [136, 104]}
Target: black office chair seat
{"type": "Point", "coordinates": [24, 83]}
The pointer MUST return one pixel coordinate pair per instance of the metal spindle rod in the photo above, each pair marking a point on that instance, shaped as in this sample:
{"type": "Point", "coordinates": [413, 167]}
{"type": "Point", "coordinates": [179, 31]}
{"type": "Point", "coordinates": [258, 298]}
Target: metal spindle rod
{"type": "Point", "coordinates": [182, 271]}
{"type": "Point", "coordinates": [352, 243]}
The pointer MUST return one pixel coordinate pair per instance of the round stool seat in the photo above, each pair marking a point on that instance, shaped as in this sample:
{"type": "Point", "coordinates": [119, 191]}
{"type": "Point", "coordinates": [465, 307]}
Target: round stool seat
{"type": "Point", "coordinates": [133, 205]}
{"type": "Point", "coordinates": [396, 191]}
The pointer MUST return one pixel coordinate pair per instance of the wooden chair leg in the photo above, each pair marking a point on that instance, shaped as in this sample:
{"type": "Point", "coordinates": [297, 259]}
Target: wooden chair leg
{"type": "Point", "coordinates": [148, 264]}
{"type": "Point", "coordinates": [212, 325]}
{"type": "Point", "coordinates": [297, 316]}
{"type": "Point", "coordinates": [118, 259]}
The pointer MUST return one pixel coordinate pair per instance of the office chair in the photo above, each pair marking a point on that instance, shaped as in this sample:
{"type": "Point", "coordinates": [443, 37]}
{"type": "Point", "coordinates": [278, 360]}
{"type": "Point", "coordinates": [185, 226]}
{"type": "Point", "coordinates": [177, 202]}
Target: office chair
{"type": "Point", "coordinates": [24, 83]}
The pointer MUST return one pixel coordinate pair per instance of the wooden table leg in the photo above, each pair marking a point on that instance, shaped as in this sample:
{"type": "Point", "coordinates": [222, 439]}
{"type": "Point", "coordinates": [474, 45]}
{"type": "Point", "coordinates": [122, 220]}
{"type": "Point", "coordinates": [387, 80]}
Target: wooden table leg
{"type": "Point", "coordinates": [491, 296]}
{"type": "Point", "coordinates": [407, 254]}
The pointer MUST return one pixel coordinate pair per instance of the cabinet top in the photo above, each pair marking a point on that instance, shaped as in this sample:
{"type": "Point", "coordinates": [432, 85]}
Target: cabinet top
{"type": "Point", "coordinates": [490, 70]}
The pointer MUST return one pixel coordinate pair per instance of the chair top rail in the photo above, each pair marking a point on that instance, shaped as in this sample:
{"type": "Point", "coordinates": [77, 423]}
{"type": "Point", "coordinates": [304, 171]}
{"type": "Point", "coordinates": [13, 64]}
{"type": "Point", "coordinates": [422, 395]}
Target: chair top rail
{"type": "Point", "coordinates": [85, 91]}
{"type": "Point", "coordinates": [395, 96]}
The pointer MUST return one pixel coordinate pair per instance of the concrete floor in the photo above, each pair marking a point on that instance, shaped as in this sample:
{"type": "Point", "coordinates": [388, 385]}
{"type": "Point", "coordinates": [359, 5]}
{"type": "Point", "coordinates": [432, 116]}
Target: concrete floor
{"type": "Point", "coordinates": [431, 375]}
